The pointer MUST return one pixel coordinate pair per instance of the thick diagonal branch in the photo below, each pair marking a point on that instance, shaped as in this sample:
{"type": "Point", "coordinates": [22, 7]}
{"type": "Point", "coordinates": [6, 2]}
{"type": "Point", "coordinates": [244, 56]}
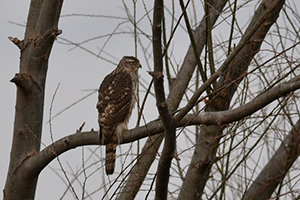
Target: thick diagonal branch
{"type": "Point", "coordinates": [234, 68]}
{"type": "Point", "coordinates": [274, 171]}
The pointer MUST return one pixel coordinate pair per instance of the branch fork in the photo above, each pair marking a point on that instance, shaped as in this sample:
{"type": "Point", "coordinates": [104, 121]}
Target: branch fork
{"type": "Point", "coordinates": [156, 75]}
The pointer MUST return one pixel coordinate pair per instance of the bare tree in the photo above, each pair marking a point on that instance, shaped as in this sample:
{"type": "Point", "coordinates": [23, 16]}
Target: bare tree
{"type": "Point", "coordinates": [228, 100]}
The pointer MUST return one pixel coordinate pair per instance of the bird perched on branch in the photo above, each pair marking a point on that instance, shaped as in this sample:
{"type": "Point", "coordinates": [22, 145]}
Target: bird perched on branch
{"type": "Point", "coordinates": [115, 104]}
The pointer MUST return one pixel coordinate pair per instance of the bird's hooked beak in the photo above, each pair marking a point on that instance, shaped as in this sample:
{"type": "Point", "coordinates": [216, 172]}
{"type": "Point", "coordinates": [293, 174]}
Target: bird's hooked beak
{"type": "Point", "coordinates": [139, 65]}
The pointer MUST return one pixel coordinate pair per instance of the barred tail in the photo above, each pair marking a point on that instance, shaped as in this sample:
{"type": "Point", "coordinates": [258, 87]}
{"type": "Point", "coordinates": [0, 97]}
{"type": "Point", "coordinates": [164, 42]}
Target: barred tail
{"type": "Point", "coordinates": [110, 158]}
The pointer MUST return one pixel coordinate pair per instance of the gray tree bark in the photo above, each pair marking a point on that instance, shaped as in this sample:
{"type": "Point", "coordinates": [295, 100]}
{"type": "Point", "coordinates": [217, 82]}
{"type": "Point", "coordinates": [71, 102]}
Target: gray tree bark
{"type": "Point", "coordinates": [41, 31]}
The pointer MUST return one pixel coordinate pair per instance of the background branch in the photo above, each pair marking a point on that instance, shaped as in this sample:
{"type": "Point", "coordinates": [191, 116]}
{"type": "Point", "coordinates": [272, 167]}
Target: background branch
{"type": "Point", "coordinates": [275, 170]}
{"type": "Point", "coordinates": [163, 169]}
{"type": "Point", "coordinates": [179, 86]}
{"type": "Point", "coordinates": [37, 162]}
{"type": "Point", "coordinates": [233, 67]}
{"type": "Point", "coordinates": [224, 138]}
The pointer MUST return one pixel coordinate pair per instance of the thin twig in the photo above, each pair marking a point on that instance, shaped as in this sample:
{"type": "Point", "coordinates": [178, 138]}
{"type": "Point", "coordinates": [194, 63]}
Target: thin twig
{"type": "Point", "coordinates": [53, 144]}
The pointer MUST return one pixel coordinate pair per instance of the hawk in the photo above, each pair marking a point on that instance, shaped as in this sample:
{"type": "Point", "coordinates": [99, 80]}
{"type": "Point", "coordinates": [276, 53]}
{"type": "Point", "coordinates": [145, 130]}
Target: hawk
{"type": "Point", "coordinates": [115, 103]}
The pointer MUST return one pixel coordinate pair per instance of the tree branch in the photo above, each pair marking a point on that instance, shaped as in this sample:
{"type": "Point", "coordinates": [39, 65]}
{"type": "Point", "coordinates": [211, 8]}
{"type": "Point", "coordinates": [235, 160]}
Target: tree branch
{"type": "Point", "coordinates": [163, 169]}
{"type": "Point", "coordinates": [190, 62]}
{"type": "Point", "coordinates": [228, 116]}
{"type": "Point", "coordinates": [234, 68]}
{"type": "Point", "coordinates": [274, 171]}
{"type": "Point", "coordinates": [37, 162]}
{"type": "Point", "coordinates": [17, 42]}
{"type": "Point", "coordinates": [193, 42]}
{"type": "Point", "coordinates": [140, 170]}
{"type": "Point", "coordinates": [26, 83]}
{"type": "Point", "coordinates": [181, 81]}
{"type": "Point", "coordinates": [248, 36]}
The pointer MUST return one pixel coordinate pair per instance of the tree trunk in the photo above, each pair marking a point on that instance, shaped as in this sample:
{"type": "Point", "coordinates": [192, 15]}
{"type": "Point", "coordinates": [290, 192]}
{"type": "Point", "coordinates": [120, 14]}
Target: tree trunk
{"type": "Point", "coordinates": [41, 31]}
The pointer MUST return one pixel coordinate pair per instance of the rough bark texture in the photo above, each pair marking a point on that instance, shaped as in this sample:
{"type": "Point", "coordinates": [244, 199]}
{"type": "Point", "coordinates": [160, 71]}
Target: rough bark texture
{"type": "Point", "coordinates": [41, 31]}
{"type": "Point", "coordinates": [204, 154]}
{"type": "Point", "coordinates": [164, 165]}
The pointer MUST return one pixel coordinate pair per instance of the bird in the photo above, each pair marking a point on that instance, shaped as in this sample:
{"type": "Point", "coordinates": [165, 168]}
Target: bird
{"type": "Point", "coordinates": [116, 99]}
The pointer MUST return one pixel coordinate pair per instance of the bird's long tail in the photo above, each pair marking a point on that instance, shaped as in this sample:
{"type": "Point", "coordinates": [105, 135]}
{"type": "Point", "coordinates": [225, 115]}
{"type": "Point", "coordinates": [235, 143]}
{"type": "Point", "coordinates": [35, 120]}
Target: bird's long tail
{"type": "Point", "coordinates": [110, 158]}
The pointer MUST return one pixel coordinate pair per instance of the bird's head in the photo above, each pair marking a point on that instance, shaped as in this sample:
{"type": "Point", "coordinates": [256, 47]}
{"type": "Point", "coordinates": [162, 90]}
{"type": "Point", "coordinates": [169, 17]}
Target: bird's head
{"type": "Point", "coordinates": [130, 64]}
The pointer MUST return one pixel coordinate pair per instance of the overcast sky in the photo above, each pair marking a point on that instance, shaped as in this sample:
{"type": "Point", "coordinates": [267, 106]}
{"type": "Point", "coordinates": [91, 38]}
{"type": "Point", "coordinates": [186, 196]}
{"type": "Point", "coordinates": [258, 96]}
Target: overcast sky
{"type": "Point", "coordinates": [77, 72]}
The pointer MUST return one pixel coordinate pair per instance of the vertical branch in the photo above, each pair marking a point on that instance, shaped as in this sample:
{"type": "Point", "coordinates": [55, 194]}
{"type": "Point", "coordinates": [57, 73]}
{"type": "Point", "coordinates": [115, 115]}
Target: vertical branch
{"type": "Point", "coordinates": [174, 98]}
{"type": "Point", "coordinates": [135, 28]}
{"type": "Point", "coordinates": [232, 27]}
{"type": "Point", "coordinates": [166, 49]}
{"type": "Point", "coordinates": [188, 66]}
{"type": "Point", "coordinates": [139, 112]}
{"type": "Point", "coordinates": [163, 171]}
{"type": "Point", "coordinates": [193, 42]}
{"type": "Point", "coordinates": [209, 45]}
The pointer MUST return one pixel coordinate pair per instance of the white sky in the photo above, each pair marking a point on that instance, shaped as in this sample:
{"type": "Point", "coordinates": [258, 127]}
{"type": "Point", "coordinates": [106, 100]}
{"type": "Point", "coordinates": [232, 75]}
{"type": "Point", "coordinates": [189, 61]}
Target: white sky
{"type": "Point", "coordinates": [75, 71]}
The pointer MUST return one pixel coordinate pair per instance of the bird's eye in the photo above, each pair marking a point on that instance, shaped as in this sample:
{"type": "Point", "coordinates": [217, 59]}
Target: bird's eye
{"type": "Point", "coordinates": [131, 63]}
